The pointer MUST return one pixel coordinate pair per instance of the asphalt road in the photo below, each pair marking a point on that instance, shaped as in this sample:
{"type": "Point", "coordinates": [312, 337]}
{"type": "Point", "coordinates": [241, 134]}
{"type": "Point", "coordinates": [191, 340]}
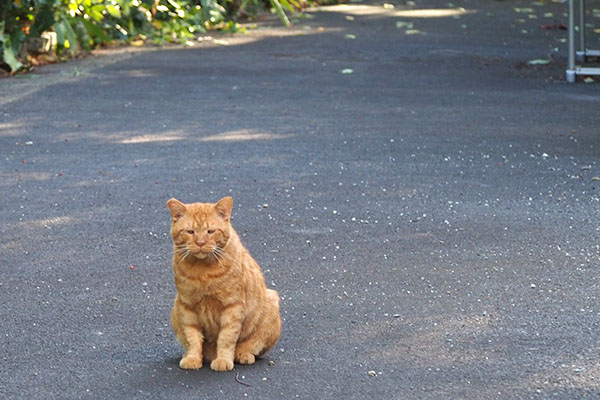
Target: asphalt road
{"type": "Point", "coordinates": [426, 203]}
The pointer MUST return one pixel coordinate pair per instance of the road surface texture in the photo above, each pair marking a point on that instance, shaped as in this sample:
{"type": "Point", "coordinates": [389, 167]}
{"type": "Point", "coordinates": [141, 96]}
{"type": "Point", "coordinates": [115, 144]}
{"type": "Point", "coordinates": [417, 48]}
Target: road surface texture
{"type": "Point", "coordinates": [424, 199]}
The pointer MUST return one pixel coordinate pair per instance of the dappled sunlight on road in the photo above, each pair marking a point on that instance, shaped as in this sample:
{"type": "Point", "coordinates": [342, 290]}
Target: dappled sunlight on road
{"type": "Point", "coordinates": [233, 136]}
{"type": "Point", "coordinates": [9, 178]}
{"type": "Point", "coordinates": [10, 128]}
{"type": "Point", "coordinates": [242, 135]}
{"type": "Point", "coordinates": [26, 86]}
{"type": "Point", "coordinates": [49, 222]}
{"type": "Point", "coordinates": [368, 10]}
{"type": "Point", "coordinates": [172, 136]}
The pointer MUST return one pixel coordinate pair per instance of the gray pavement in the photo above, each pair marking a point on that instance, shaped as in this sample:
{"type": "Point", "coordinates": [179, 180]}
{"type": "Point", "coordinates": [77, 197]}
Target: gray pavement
{"type": "Point", "coordinates": [430, 219]}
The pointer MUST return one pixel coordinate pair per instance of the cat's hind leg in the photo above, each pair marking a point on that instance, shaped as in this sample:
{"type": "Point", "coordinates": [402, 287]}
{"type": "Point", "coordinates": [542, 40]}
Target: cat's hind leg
{"type": "Point", "coordinates": [265, 336]}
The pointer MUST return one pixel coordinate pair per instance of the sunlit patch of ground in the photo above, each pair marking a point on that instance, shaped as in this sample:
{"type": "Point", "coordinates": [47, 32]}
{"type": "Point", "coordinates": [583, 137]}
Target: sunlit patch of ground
{"type": "Point", "coordinates": [369, 10]}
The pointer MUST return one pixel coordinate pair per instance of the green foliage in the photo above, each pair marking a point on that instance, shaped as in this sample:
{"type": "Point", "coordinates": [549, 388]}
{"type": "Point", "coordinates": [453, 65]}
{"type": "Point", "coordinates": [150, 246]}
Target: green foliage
{"type": "Point", "coordinates": [7, 50]}
{"type": "Point", "coordinates": [86, 24]}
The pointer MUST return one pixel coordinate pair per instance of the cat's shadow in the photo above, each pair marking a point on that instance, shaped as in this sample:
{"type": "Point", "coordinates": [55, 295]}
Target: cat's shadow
{"type": "Point", "coordinates": [172, 362]}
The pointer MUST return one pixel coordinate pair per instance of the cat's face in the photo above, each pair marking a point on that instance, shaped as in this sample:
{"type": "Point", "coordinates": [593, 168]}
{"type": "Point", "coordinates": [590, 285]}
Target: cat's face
{"type": "Point", "coordinates": [200, 230]}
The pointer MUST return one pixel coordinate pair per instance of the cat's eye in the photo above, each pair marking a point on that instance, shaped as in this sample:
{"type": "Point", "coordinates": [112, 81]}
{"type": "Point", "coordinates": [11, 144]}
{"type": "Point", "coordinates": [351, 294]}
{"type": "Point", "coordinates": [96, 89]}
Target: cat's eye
{"type": "Point", "coordinates": [211, 231]}
{"type": "Point", "coordinates": [190, 231]}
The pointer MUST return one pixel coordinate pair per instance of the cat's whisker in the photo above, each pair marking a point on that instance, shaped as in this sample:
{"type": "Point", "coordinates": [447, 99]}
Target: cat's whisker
{"type": "Point", "coordinates": [226, 255]}
{"type": "Point", "coordinates": [183, 254]}
{"type": "Point", "coordinates": [218, 253]}
{"type": "Point", "coordinates": [221, 256]}
{"type": "Point", "coordinates": [183, 257]}
{"type": "Point", "coordinates": [218, 258]}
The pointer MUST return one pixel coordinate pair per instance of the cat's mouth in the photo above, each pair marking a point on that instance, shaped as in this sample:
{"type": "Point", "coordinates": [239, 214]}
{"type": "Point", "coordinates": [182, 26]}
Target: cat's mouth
{"type": "Point", "coordinates": [199, 253]}
{"type": "Point", "coordinates": [202, 254]}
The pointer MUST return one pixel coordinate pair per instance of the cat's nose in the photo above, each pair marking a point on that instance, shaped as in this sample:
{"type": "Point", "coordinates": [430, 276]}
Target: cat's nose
{"type": "Point", "coordinates": [200, 242]}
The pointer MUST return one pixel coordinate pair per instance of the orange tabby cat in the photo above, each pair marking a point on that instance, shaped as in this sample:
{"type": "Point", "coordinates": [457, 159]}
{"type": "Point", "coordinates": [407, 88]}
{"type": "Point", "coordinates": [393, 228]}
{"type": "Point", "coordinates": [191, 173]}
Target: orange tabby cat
{"type": "Point", "coordinates": [223, 311]}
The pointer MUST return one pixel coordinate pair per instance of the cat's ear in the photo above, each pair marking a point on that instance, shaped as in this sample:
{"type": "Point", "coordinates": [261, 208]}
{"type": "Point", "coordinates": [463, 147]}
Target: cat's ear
{"type": "Point", "coordinates": [177, 208]}
{"type": "Point", "coordinates": [224, 207]}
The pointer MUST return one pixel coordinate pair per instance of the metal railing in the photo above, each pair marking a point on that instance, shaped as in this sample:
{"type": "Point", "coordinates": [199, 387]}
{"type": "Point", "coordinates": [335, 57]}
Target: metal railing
{"type": "Point", "coordinates": [578, 57]}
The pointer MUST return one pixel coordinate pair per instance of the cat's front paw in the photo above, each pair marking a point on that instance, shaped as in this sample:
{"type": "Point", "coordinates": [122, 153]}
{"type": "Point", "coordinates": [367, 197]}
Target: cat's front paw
{"type": "Point", "coordinates": [190, 362]}
{"type": "Point", "coordinates": [246, 358]}
{"type": "Point", "coordinates": [220, 364]}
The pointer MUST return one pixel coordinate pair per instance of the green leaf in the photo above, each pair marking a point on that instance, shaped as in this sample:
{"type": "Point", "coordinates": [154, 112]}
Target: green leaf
{"type": "Point", "coordinates": [72, 36]}
{"type": "Point", "coordinates": [60, 34]}
{"type": "Point", "coordinates": [96, 12]}
{"type": "Point", "coordinates": [8, 56]}
{"type": "Point", "coordinates": [280, 12]}
{"type": "Point", "coordinates": [295, 3]}
{"type": "Point", "coordinates": [43, 19]}
{"type": "Point", "coordinates": [64, 34]}
{"type": "Point", "coordinates": [286, 5]}
{"type": "Point", "coordinates": [96, 32]}
{"type": "Point", "coordinates": [113, 11]}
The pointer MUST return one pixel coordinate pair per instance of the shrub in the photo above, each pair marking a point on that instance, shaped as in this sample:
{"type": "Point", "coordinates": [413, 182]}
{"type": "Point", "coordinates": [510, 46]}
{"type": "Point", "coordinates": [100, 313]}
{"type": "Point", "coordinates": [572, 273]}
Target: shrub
{"type": "Point", "coordinates": [85, 24]}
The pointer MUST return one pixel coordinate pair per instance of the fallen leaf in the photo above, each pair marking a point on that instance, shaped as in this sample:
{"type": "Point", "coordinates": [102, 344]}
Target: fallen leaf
{"type": "Point", "coordinates": [413, 32]}
{"type": "Point", "coordinates": [349, 18]}
{"type": "Point", "coordinates": [589, 80]}
{"type": "Point", "coordinates": [538, 62]}
{"type": "Point", "coordinates": [561, 27]}
{"type": "Point", "coordinates": [347, 71]}
{"type": "Point", "coordinates": [404, 24]}
{"type": "Point", "coordinates": [524, 10]}
{"type": "Point", "coordinates": [350, 36]}
{"type": "Point", "coordinates": [596, 178]}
